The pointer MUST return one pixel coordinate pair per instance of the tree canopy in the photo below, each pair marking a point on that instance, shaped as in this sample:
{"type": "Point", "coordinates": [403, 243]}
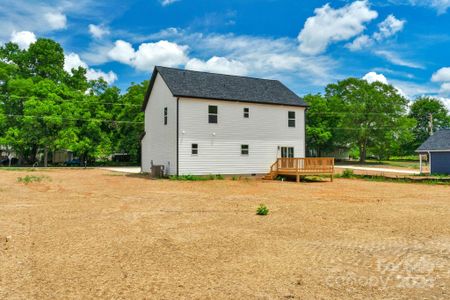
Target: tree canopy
{"type": "Point", "coordinates": [43, 108]}
{"type": "Point", "coordinates": [354, 113]}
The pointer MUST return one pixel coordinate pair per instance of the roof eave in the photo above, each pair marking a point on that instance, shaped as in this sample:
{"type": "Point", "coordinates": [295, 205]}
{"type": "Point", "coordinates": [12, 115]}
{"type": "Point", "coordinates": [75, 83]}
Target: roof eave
{"type": "Point", "coordinates": [244, 101]}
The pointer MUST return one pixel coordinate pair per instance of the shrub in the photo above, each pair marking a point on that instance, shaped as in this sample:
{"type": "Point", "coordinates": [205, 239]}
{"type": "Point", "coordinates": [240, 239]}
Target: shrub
{"type": "Point", "coordinates": [262, 210]}
{"type": "Point", "coordinates": [196, 178]}
{"type": "Point", "coordinates": [347, 173]}
{"type": "Point", "coordinates": [31, 178]}
{"type": "Point", "coordinates": [234, 178]}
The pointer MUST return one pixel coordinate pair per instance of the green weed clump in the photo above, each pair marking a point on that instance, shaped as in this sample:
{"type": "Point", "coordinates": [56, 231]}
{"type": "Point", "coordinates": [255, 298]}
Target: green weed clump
{"type": "Point", "coordinates": [347, 174]}
{"type": "Point", "coordinates": [32, 178]}
{"type": "Point", "coordinates": [262, 210]}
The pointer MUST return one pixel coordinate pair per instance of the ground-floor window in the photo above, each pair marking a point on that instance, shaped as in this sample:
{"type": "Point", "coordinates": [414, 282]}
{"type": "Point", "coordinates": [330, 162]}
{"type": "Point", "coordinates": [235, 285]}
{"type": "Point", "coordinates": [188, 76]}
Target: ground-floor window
{"type": "Point", "coordinates": [287, 152]}
{"type": "Point", "coordinates": [194, 149]}
{"type": "Point", "coordinates": [244, 149]}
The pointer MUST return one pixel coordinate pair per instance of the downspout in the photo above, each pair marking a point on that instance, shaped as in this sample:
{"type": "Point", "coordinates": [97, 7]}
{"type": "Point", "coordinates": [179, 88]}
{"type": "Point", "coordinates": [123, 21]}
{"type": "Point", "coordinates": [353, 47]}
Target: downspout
{"type": "Point", "coordinates": [178, 140]}
{"type": "Point", "coordinates": [429, 162]}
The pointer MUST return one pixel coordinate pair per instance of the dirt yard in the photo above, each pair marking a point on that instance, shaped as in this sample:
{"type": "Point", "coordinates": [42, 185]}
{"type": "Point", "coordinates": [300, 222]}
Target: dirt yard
{"type": "Point", "coordinates": [99, 234]}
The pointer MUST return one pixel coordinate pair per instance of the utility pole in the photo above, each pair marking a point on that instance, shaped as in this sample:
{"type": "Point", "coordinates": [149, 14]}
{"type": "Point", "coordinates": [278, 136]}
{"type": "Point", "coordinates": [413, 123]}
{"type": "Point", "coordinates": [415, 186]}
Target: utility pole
{"type": "Point", "coordinates": [430, 124]}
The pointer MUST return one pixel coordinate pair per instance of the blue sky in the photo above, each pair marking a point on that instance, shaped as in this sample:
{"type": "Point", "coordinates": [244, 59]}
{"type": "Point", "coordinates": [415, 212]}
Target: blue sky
{"type": "Point", "coordinates": [305, 44]}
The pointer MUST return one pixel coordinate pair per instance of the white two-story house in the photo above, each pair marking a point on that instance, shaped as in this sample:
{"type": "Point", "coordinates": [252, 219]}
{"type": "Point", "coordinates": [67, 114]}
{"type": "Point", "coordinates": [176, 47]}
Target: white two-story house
{"type": "Point", "coordinates": [202, 123]}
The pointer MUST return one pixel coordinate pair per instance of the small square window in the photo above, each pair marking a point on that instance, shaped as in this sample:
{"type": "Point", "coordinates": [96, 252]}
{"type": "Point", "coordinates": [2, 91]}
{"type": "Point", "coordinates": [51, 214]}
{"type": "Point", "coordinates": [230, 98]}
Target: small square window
{"type": "Point", "coordinates": [212, 109]}
{"type": "Point", "coordinates": [291, 115]}
{"type": "Point", "coordinates": [246, 112]}
{"type": "Point", "coordinates": [194, 149]}
{"type": "Point", "coordinates": [244, 149]}
{"type": "Point", "coordinates": [212, 114]}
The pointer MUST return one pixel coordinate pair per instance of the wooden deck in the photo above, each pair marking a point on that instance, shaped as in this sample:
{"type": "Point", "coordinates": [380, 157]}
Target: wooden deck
{"type": "Point", "coordinates": [302, 167]}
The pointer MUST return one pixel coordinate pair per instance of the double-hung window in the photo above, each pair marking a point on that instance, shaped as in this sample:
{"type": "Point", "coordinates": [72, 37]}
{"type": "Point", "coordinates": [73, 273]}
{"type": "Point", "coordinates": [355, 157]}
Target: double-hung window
{"type": "Point", "coordinates": [246, 112]}
{"type": "Point", "coordinates": [194, 149]}
{"type": "Point", "coordinates": [291, 118]}
{"type": "Point", "coordinates": [244, 150]}
{"type": "Point", "coordinates": [212, 114]}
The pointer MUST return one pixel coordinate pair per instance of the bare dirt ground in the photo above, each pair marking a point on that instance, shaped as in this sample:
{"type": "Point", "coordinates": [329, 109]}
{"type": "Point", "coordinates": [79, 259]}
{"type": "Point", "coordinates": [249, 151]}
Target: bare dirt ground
{"type": "Point", "coordinates": [98, 234]}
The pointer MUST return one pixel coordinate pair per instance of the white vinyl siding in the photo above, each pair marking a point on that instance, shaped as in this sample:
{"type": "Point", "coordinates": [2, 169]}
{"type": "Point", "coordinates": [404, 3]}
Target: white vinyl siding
{"type": "Point", "coordinates": [160, 141]}
{"type": "Point", "coordinates": [265, 132]}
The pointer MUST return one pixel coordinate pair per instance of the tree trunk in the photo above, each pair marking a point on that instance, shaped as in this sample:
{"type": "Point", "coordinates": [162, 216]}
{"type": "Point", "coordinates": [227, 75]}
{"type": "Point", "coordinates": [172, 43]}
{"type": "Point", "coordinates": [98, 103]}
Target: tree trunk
{"type": "Point", "coordinates": [362, 153]}
{"type": "Point", "coordinates": [46, 157]}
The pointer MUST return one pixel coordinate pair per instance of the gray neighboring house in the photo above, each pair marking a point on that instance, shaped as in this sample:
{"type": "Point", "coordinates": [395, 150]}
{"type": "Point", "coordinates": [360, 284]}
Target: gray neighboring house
{"type": "Point", "coordinates": [437, 147]}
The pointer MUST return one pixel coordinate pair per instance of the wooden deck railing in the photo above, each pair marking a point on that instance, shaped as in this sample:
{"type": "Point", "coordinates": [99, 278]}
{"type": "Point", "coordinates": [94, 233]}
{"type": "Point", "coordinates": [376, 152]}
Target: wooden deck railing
{"type": "Point", "coordinates": [303, 166]}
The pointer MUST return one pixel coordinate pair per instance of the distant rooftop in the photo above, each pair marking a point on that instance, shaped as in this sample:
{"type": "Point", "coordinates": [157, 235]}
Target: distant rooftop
{"type": "Point", "coordinates": [440, 140]}
{"type": "Point", "coordinates": [193, 84]}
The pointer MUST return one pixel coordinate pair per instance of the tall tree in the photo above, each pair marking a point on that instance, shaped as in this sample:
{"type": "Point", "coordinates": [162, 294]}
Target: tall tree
{"type": "Point", "coordinates": [427, 111]}
{"type": "Point", "coordinates": [46, 59]}
{"type": "Point", "coordinates": [372, 111]}
{"type": "Point", "coordinates": [322, 121]}
{"type": "Point", "coordinates": [130, 120]}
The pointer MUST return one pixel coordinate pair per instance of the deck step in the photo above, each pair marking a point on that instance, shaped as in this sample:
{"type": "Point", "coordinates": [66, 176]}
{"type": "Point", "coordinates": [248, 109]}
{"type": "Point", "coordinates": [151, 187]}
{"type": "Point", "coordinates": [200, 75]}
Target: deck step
{"type": "Point", "coordinates": [269, 177]}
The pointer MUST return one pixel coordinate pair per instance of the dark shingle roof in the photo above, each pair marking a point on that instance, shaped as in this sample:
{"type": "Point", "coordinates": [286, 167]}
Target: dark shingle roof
{"type": "Point", "coordinates": [193, 84]}
{"type": "Point", "coordinates": [438, 141]}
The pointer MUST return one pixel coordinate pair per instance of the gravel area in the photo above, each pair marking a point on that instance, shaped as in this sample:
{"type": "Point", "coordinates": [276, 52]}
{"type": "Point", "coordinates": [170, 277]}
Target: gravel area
{"type": "Point", "coordinates": [100, 234]}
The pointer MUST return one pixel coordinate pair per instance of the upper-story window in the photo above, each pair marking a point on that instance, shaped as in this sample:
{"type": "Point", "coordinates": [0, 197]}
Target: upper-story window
{"type": "Point", "coordinates": [291, 119]}
{"type": "Point", "coordinates": [165, 115]}
{"type": "Point", "coordinates": [246, 112]}
{"type": "Point", "coordinates": [212, 114]}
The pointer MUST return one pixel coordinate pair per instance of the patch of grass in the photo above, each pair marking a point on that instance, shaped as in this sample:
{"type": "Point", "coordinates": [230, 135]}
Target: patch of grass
{"type": "Point", "coordinates": [262, 210]}
{"type": "Point", "coordinates": [32, 178]}
{"type": "Point", "coordinates": [234, 178]}
{"type": "Point", "coordinates": [378, 178]}
{"type": "Point", "coordinates": [196, 178]}
{"type": "Point", "coordinates": [18, 169]}
{"type": "Point", "coordinates": [347, 173]}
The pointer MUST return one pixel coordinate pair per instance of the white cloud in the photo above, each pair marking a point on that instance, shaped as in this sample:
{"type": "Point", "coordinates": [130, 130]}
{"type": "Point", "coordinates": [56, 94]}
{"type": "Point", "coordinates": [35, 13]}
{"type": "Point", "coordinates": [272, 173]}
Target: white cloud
{"type": "Point", "coordinates": [219, 65]}
{"type": "Point", "coordinates": [23, 39]}
{"type": "Point", "coordinates": [396, 60]}
{"type": "Point", "coordinates": [375, 77]}
{"type": "Point", "coordinates": [168, 2]}
{"type": "Point", "coordinates": [441, 6]}
{"type": "Point", "coordinates": [73, 61]}
{"type": "Point", "coordinates": [372, 77]}
{"type": "Point", "coordinates": [446, 102]}
{"type": "Point", "coordinates": [56, 20]}
{"type": "Point", "coordinates": [361, 42]}
{"type": "Point", "coordinates": [332, 25]}
{"type": "Point", "coordinates": [389, 27]}
{"type": "Point", "coordinates": [93, 74]}
{"type": "Point", "coordinates": [98, 31]}
{"type": "Point", "coordinates": [264, 57]}
{"type": "Point", "coordinates": [442, 75]}
{"type": "Point", "coordinates": [122, 52]}
{"type": "Point", "coordinates": [148, 55]}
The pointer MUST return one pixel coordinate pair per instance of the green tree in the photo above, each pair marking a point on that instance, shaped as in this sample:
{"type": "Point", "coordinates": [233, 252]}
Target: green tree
{"type": "Point", "coordinates": [46, 59]}
{"type": "Point", "coordinates": [322, 121]}
{"type": "Point", "coordinates": [371, 113]}
{"type": "Point", "coordinates": [426, 110]}
{"type": "Point", "coordinates": [130, 120]}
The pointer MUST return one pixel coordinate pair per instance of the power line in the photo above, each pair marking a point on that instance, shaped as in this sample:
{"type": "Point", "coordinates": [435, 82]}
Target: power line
{"type": "Point", "coordinates": [70, 100]}
{"type": "Point", "coordinates": [74, 119]}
